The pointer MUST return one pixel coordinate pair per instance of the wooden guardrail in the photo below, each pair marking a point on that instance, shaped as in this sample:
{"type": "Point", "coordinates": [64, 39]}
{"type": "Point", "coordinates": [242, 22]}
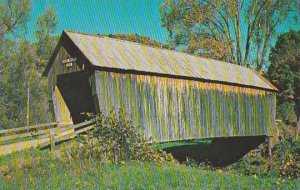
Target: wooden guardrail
{"type": "Point", "coordinates": [68, 134]}
{"type": "Point", "coordinates": [18, 129]}
{"type": "Point", "coordinates": [20, 133]}
{"type": "Point", "coordinates": [42, 135]}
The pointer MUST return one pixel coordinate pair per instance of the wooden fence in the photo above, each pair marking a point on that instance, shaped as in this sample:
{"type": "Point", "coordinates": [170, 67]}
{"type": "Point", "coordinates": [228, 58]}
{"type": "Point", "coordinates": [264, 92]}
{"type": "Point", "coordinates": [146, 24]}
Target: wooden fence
{"type": "Point", "coordinates": [42, 135]}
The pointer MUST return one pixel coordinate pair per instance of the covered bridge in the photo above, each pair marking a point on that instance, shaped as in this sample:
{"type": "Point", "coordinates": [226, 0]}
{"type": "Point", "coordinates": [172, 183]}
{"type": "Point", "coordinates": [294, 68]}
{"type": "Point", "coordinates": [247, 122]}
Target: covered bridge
{"type": "Point", "coordinates": [171, 95]}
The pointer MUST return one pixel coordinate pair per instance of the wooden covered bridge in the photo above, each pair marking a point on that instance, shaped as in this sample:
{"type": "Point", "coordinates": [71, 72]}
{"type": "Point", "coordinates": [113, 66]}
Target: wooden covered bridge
{"type": "Point", "coordinates": [172, 95]}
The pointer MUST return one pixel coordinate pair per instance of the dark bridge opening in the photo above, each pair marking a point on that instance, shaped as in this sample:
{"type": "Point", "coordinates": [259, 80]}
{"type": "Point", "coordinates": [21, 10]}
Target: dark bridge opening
{"type": "Point", "coordinates": [77, 94]}
{"type": "Point", "coordinates": [219, 151]}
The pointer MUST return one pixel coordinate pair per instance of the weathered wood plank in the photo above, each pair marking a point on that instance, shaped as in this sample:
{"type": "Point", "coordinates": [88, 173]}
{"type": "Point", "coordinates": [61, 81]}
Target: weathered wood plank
{"type": "Point", "coordinates": [84, 129]}
{"type": "Point", "coordinates": [61, 134]}
{"type": "Point", "coordinates": [32, 133]}
{"type": "Point", "coordinates": [27, 127]}
{"type": "Point", "coordinates": [15, 147]}
{"type": "Point", "coordinates": [52, 140]}
{"type": "Point", "coordinates": [89, 122]}
{"type": "Point", "coordinates": [66, 135]}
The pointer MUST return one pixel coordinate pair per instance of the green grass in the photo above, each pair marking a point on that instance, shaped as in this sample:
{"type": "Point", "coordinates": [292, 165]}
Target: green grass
{"type": "Point", "coordinates": [39, 170]}
{"type": "Point", "coordinates": [181, 143]}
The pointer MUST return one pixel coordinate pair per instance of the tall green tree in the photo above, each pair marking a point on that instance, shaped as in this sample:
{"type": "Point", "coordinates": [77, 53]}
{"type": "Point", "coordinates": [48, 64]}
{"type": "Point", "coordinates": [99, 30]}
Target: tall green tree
{"type": "Point", "coordinates": [284, 72]}
{"type": "Point", "coordinates": [23, 91]}
{"type": "Point", "coordinates": [45, 29]}
{"type": "Point", "coordinates": [14, 15]}
{"type": "Point", "coordinates": [14, 83]}
{"type": "Point", "coordinates": [46, 26]}
{"type": "Point", "coordinates": [11, 90]}
{"type": "Point", "coordinates": [23, 99]}
{"type": "Point", "coordinates": [226, 29]}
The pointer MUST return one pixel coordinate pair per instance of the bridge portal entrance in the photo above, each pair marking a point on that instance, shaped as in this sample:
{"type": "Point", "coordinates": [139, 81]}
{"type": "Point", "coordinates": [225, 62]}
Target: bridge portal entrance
{"type": "Point", "coordinates": [76, 94]}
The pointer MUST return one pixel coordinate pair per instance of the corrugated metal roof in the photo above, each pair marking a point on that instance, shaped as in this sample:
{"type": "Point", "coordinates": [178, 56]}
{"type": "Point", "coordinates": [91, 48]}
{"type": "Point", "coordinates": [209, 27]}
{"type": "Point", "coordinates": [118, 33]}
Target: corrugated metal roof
{"type": "Point", "coordinates": [114, 53]}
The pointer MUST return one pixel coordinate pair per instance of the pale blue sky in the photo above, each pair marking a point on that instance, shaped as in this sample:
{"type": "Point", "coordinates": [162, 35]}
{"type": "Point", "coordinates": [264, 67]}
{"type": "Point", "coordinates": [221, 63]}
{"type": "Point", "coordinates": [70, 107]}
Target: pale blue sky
{"type": "Point", "coordinates": [109, 16]}
{"type": "Point", "coordinates": [104, 16]}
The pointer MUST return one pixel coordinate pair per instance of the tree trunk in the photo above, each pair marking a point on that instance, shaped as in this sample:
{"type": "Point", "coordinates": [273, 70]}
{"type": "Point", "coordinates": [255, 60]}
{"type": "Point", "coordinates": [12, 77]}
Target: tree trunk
{"type": "Point", "coordinates": [28, 104]}
{"type": "Point", "coordinates": [298, 127]}
{"type": "Point", "coordinates": [297, 108]}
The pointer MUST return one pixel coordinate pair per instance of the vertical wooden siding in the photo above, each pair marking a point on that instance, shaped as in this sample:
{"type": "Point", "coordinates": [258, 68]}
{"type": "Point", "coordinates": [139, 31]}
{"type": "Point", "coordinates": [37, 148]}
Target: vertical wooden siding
{"type": "Point", "coordinates": [61, 111]}
{"type": "Point", "coordinates": [170, 109]}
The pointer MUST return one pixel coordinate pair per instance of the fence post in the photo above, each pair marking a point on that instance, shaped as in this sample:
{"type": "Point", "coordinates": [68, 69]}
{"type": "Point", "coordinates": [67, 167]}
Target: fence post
{"type": "Point", "coordinates": [52, 140]}
{"type": "Point", "coordinates": [270, 146]}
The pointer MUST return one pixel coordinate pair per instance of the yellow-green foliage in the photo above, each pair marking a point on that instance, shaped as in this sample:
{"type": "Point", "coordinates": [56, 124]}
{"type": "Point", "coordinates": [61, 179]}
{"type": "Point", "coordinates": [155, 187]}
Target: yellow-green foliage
{"type": "Point", "coordinates": [284, 162]}
{"type": "Point", "coordinates": [116, 139]}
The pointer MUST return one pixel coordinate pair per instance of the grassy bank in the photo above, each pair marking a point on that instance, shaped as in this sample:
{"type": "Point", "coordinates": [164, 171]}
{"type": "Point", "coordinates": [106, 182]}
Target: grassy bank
{"type": "Point", "coordinates": [39, 170]}
{"type": "Point", "coordinates": [181, 143]}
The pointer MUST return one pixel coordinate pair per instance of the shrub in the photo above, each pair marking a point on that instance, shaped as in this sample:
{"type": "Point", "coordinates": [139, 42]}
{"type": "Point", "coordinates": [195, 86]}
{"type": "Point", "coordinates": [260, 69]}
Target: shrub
{"type": "Point", "coordinates": [115, 139]}
{"type": "Point", "coordinates": [284, 162]}
{"type": "Point", "coordinates": [286, 112]}
{"type": "Point", "coordinates": [286, 158]}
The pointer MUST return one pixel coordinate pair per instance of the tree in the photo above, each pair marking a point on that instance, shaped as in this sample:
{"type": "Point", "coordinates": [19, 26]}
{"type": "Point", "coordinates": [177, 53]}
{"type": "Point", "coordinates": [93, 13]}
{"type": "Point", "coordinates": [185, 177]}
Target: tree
{"type": "Point", "coordinates": [23, 91]}
{"type": "Point", "coordinates": [284, 72]}
{"type": "Point", "coordinates": [139, 39]}
{"type": "Point", "coordinates": [14, 15]}
{"type": "Point", "coordinates": [20, 76]}
{"type": "Point", "coordinates": [46, 26]}
{"type": "Point", "coordinates": [237, 31]}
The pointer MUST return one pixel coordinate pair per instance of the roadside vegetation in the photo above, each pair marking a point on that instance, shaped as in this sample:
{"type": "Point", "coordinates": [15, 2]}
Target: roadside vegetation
{"type": "Point", "coordinates": [284, 163]}
{"type": "Point", "coordinates": [40, 170]}
{"type": "Point", "coordinates": [116, 156]}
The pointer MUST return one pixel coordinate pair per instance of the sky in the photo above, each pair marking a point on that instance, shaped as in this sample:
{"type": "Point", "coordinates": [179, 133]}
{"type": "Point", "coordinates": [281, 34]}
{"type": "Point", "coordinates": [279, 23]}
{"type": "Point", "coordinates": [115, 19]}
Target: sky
{"type": "Point", "coordinates": [103, 17]}
{"type": "Point", "coordinates": [140, 17]}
